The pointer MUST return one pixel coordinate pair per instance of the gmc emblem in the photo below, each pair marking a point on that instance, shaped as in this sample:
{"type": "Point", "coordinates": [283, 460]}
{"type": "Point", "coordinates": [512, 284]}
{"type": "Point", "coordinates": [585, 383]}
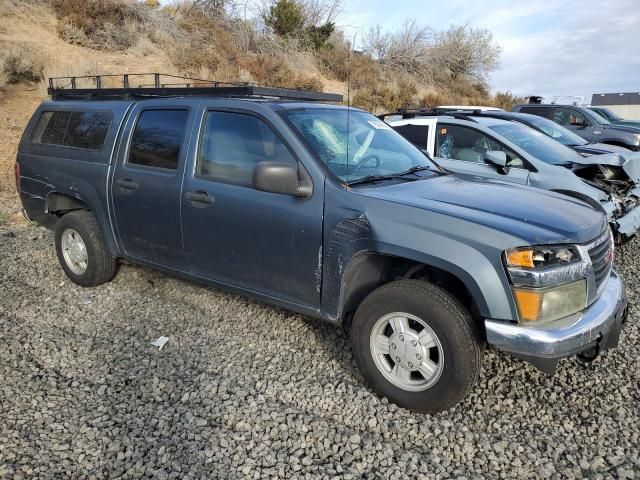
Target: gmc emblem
{"type": "Point", "coordinates": [608, 256]}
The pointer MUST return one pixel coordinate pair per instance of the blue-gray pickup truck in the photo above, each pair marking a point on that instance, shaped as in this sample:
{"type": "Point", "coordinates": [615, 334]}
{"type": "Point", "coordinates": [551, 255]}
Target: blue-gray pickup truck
{"type": "Point", "coordinates": [326, 211]}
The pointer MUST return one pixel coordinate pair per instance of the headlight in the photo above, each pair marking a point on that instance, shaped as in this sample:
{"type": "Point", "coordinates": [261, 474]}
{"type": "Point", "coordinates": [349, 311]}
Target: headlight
{"type": "Point", "coordinates": [547, 304]}
{"type": "Point", "coordinates": [541, 257]}
{"type": "Point", "coordinates": [548, 282]}
{"type": "Point", "coordinates": [637, 136]}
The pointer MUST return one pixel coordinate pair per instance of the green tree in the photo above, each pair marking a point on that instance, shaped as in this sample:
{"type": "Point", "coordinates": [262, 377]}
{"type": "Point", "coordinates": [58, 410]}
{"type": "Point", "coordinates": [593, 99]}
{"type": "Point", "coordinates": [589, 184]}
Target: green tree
{"type": "Point", "coordinates": [286, 18]}
{"type": "Point", "coordinates": [319, 36]}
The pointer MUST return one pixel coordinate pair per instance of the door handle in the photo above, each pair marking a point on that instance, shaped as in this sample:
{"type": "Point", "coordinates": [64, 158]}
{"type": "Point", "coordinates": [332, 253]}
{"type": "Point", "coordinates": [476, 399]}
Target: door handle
{"type": "Point", "coordinates": [199, 198]}
{"type": "Point", "coordinates": [127, 184]}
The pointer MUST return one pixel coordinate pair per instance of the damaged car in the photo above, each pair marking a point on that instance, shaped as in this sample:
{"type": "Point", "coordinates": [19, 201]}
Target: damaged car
{"type": "Point", "coordinates": [480, 144]}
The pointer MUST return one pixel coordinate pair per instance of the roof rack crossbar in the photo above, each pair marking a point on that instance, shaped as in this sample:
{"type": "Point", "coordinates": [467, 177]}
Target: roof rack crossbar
{"type": "Point", "coordinates": [130, 85]}
{"type": "Point", "coordinates": [407, 113]}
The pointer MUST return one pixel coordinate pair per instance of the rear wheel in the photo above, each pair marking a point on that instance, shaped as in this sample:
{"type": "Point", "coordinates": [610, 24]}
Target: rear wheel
{"type": "Point", "coordinates": [416, 345]}
{"type": "Point", "coordinates": [81, 250]}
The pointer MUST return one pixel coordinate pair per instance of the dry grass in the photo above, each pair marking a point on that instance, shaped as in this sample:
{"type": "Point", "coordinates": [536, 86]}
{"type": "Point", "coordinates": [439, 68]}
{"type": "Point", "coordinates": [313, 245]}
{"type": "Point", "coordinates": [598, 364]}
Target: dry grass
{"type": "Point", "coordinates": [20, 62]}
{"type": "Point", "coordinates": [386, 96]}
{"type": "Point", "coordinates": [113, 25]}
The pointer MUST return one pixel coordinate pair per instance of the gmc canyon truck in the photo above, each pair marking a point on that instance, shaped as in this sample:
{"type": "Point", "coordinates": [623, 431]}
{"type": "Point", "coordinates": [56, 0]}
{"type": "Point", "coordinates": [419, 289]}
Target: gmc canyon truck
{"type": "Point", "coordinates": [326, 211]}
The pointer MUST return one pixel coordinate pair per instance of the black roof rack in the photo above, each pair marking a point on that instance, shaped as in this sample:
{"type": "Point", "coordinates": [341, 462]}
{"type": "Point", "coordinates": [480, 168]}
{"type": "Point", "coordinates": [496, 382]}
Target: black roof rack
{"type": "Point", "coordinates": [126, 86]}
{"type": "Point", "coordinates": [406, 113]}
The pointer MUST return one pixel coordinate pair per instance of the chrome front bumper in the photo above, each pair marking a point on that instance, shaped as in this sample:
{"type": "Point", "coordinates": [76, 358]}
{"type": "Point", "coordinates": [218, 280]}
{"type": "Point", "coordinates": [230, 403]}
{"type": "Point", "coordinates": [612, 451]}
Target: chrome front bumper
{"type": "Point", "coordinates": [598, 326]}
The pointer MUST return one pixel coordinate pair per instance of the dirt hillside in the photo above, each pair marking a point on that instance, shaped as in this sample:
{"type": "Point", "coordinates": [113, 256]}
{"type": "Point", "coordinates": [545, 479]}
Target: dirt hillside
{"type": "Point", "coordinates": [36, 26]}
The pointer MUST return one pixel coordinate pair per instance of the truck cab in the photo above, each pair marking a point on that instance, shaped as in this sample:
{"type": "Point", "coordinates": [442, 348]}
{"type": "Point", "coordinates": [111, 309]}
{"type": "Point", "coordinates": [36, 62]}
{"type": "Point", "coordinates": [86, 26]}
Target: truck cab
{"type": "Point", "coordinates": [324, 210]}
{"type": "Point", "coordinates": [586, 123]}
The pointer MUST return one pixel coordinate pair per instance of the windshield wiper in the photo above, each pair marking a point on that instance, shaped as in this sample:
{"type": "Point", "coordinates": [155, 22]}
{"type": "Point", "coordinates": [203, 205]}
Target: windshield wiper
{"type": "Point", "coordinates": [417, 168]}
{"type": "Point", "coordinates": [370, 179]}
{"type": "Point", "coordinates": [373, 178]}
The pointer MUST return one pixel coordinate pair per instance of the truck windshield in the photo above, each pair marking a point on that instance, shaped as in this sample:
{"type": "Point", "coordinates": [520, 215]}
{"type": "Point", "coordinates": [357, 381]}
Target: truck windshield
{"type": "Point", "coordinates": [608, 114]}
{"type": "Point", "coordinates": [367, 148]}
{"type": "Point", "coordinates": [537, 144]}
{"type": "Point", "coordinates": [599, 118]}
{"type": "Point", "coordinates": [555, 131]}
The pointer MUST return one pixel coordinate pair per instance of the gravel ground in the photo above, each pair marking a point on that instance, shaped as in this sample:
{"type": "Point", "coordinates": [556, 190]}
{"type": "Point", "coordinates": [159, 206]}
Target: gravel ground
{"type": "Point", "coordinates": [245, 390]}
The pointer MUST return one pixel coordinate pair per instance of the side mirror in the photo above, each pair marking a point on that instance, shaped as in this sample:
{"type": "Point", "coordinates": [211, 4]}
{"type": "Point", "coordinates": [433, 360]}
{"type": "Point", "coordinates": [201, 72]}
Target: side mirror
{"type": "Point", "coordinates": [282, 178]}
{"type": "Point", "coordinates": [496, 158]}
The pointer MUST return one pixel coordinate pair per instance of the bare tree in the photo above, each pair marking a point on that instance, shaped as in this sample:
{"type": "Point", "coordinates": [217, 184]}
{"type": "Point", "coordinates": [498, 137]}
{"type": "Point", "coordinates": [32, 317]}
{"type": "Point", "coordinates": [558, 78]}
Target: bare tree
{"type": "Point", "coordinates": [219, 8]}
{"type": "Point", "coordinates": [465, 51]}
{"type": "Point", "coordinates": [407, 49]}
{"type": "Point", "coordinates": [318, 12]}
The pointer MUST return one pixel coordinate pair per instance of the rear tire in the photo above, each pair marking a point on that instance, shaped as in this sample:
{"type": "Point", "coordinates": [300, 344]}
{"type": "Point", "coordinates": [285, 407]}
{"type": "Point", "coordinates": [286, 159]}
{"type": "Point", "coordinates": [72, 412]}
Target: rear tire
{"type": "Point", "coordinates": [434, 363]}
{"type": "Point", "coordinates": [81, 250]}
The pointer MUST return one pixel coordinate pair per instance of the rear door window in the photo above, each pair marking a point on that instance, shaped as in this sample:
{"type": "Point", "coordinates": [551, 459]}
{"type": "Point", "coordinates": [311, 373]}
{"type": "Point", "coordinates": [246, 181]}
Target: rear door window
{"type": "Point", "coordinates": [157, 138]}
{"type": "Point", "coordinates": [545, 112]}
{"type": "Point", "coordinates": [86, 130]}
{"type": "Point", "coordinates": [416, 134]}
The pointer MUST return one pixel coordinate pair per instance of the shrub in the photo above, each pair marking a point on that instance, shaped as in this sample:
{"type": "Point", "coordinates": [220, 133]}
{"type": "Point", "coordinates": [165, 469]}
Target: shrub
{"type": "Point", "coordinates": [435, 98]}
{"type": "Point", "coordinates": [318, 36]}
{"type": "Point", "coordinates": [506, 100]}
{"type": "Point", "coordinates": [386, 96]}
{"type": "Point", "coordinates": [274, 71]}
{"type": "Point", "coordinates": [20, 62]}
{"type": "Point", "coordinates": [100, 24]}
{"type": "Point", "coordinates": [335, 62]}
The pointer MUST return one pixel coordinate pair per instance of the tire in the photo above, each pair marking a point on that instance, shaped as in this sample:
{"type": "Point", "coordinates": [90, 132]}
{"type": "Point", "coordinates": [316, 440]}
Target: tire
{"type": "Point", "coordinates": [456, 350]}
{"type": "Point", "coordinates": [100, 266]}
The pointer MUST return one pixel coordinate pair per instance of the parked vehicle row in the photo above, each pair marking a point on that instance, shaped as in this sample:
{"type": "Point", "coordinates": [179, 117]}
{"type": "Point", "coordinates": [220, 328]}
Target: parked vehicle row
{"type": "Point", "coordinates": [503, 146]}
{"type": "Point", "coordinates": [329, 212]}
{"type": "Point", "coordinates": [586, 123]}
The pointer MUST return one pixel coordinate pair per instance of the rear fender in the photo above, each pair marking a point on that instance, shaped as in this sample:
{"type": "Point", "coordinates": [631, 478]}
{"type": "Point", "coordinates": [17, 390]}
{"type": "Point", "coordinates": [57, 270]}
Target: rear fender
{"type": "Point", "coordinates": [58, 203]}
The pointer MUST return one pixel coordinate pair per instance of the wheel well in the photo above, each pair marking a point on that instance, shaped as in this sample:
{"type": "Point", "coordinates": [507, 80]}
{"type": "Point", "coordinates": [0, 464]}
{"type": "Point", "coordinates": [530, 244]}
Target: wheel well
{"type": "Point", "coordinates": [59, 203]}
{"type": "Point", "coordinates": [367, 272]}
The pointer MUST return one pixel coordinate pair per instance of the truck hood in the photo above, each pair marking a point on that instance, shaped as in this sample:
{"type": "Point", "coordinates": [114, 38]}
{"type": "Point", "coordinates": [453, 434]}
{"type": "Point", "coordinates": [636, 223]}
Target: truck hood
{"type": "Point", "coordinates": [621, 128]}
{"type": "Point", "coordinates": [536, 216]}
{"type": "Point", "coordinates": [628, 161]}
{"type": "Point", "coordinates": [628, 123]}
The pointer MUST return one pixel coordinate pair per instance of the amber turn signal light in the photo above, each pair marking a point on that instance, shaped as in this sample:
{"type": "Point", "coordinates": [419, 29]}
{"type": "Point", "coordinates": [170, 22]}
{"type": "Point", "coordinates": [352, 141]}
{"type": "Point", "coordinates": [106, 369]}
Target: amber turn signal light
{"type": "Point", "coordinates": [520, 258]}
{"type": "Point", "coordinates": [529, 303]}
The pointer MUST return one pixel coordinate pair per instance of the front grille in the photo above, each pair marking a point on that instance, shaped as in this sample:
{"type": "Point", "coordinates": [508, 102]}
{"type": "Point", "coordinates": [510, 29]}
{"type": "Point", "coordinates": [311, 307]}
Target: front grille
{"type": "Point", "coordinates": [601, 256]}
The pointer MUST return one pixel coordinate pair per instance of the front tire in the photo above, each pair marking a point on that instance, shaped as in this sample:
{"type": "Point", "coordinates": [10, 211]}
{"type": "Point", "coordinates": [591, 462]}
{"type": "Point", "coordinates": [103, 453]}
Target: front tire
{"type": "Point", "coordinates": [416, 345]}
{"type": "Point", "coordinates": [81, 250]}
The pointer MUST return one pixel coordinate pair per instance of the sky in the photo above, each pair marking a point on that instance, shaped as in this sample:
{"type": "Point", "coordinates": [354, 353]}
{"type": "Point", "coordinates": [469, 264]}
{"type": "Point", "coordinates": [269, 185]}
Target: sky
{"type": "Point", "coordinates": [550, 47]}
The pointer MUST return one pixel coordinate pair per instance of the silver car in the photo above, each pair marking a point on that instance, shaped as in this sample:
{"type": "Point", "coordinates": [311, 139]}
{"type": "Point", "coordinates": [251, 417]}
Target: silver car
{"type": "Point", "coordinates": [475, 144]}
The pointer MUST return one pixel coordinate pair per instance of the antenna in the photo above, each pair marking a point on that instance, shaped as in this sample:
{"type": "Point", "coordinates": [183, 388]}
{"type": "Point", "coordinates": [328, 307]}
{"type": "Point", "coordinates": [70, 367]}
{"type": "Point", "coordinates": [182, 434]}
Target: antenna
{"type": "Point", "coordinates": [352, 46]}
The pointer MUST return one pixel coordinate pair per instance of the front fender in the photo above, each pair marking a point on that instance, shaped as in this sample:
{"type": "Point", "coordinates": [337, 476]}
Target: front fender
{"type": "Point", "coordinates": [483, 277]}
{"type": "Point", "coordinates": [487, 284]}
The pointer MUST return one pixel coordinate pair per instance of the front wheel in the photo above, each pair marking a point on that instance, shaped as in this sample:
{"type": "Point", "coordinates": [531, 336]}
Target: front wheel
{"type": "Point", "coordinates": [416, 345]}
